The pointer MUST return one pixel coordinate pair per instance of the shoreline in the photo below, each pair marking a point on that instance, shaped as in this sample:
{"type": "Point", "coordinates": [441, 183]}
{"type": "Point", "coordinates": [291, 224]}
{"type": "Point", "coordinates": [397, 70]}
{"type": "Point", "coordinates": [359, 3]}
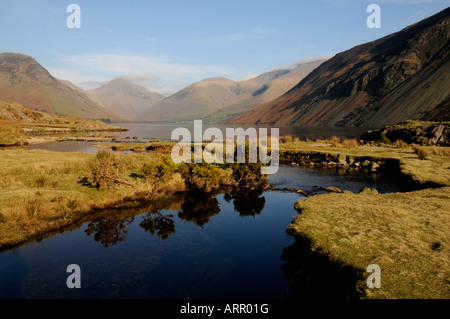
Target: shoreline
{"type": "Point", "coordinates": [318, 216]}
{"type": "Point", "coordinates": [405, 233]}
{"type": "Point", "coordinates": [43, 191]}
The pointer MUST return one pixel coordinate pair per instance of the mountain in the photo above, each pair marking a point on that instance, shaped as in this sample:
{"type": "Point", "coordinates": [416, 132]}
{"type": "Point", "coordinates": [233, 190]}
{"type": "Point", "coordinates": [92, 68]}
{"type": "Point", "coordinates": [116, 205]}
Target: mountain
{"type": "Point", "coordinates": [405, 75]}
{"type": "Point", "coordinates": [263, 89]}
{"type": "Point", "coordinates": [193, 102]}
{"type": "Point", "coordinates": [24, 80]}
{"type": "Point", "coordinates": [125, 98]}
{"type": "Point", "coordinates": [218, 99]}
{"type": "Point", "coordinates": [73, 86]}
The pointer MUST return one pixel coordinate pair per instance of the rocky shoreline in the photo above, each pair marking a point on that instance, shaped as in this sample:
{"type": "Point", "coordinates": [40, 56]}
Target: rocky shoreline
{"type": "Point", "coordinates": [323, 160]}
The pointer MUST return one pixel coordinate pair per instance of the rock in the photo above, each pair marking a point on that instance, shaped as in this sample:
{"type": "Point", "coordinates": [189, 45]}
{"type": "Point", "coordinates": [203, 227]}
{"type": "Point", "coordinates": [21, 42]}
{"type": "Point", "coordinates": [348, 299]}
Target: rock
{"type": "Point", "coordinates": [413, 132]}
{"type": "Point", "coordinates": [368, 190]}
{"type": "Point", "coordinates": [333, 189]}
{"type": "Point", "coordinates": [350, 160]}
{"type": "Point", "coordinates": [342, 157]}
{"type": "Point", "coordinates": [343, 163]}
{"type": "Point", "coordinates": [299, 191]}
{"type": "Point", "coordinates": [374, 166]}
{"type": "Point", "coordinates": [356, 164]}
{"type": "Point", "coordinates": [366, 163]}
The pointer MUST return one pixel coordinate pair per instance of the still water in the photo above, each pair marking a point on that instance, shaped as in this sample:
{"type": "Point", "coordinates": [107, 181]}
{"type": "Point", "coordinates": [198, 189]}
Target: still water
{"type": "Point", "coordinates": [222, 246]}
{"type": "Point", "coordinates": [191, 246]}
{"type": "Point", "coordinates": [163, 132]}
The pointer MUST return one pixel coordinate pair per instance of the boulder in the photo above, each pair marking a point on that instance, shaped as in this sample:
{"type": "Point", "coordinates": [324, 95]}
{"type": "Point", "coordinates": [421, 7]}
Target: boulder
{"type": "Point", "coordinates": [342, 157]}
{"type": "Point", "coordinates": [366, 163]}
{"type": "Point", "coordinates": [333, 189]}
{"type": "Point", "coordinates": [374, 166]}
{"type": "Point", "coordinates": [368, 190]}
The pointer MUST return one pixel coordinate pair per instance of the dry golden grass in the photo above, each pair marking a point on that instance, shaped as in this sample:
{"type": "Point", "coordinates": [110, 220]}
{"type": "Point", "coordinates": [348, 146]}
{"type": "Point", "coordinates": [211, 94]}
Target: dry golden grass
{"type": "Point", "coordinates": [421, 151]}
{"type": "Point", "coordinates": [401, 144]}
{"type": "Point", "coordinates": [434, 169]}
{"type": "Point", "coordinates": [40, 190]}
{"type": "Point", "coordinates": [406, 234]}
{"type": "Point", "coordinates": [286, 139]}
{"type": "Point", "coordinates": [335, 141]}
{"type": "Point", "coordinates": [440, 151]}
{"type": "Point", "coordinates": [350, 143]}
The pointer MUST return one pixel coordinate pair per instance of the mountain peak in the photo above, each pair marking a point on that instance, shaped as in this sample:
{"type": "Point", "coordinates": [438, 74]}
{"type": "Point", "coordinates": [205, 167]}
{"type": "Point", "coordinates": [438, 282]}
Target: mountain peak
{"type": "Point", "coordinates": [401, 76]}
{"type": "Point", "coordinates": [24, 80]}
{"type": "Point", "coordinates": [124, 97]}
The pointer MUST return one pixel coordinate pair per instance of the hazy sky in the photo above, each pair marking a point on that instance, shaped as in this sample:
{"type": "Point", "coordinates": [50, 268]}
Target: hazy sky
{"type": "Point", "coordinates": [165, 45]}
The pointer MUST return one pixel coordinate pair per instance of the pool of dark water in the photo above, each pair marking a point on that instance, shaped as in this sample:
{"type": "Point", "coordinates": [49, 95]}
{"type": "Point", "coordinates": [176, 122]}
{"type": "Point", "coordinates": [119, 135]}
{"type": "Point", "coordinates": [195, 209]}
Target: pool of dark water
{"type": "Point", "coordinates": [191, 246]}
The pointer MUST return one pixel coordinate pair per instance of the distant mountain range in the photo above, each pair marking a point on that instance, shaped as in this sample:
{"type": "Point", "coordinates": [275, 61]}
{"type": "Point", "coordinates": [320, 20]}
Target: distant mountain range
{"type": "Point", "coordinates": [218, 99]}
{"type": "Point", "coordinates": [25, 81]}
{"type": "Point", "coordinates": [405, 75]}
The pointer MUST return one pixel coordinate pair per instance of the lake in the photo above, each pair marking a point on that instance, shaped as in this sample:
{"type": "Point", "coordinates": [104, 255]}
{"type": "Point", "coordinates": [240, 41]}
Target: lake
{"type": "Point", "coordinates": [163, 132]}
{"type": "Point", "coordinates": [191, 246]}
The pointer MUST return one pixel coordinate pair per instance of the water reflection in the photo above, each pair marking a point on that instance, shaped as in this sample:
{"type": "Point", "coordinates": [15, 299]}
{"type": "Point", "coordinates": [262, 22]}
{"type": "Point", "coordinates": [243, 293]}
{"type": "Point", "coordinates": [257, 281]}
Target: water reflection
{"type": "Point", "coordinates": [313, 276]}
{"type": "Point", "coordinates": [109, 230]}
{"type": "Point", "coordinates": [199, 208]}
{"type": "Point", "coordinates": [156, 222]}
{"type": "Point", "coordinates": [194, 207]}
{"type": "Point", "coordinates": [247, 202]}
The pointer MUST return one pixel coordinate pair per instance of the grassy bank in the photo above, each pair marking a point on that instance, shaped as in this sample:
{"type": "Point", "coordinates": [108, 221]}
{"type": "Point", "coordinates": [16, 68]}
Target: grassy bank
{"type": "Point", "coordinates": [42, 191]}
{"type": "Point", "coordinates": [406, 234]}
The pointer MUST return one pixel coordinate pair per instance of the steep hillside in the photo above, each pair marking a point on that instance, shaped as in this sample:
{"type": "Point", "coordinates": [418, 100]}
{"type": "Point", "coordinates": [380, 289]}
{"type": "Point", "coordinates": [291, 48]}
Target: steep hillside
{"type": "Point", "coordinates": [125, 98]}
{"type": "Point", "coordinates": [405, 75]}
{"type": "Point", "coordinates": [25, 81]}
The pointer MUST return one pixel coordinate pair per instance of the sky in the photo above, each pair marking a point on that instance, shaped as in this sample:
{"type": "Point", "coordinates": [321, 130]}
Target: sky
{"type": "Point", "coordinates": [167, 45]}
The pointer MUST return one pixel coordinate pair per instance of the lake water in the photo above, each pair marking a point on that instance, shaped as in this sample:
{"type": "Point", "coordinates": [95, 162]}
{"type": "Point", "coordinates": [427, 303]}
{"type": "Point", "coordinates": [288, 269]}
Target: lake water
{"type": "Point", "coordinates": [223, 246]}
{"type": "Point", "coordinates": [191, 246]}
{"type": "Point", "coordinates": [163, 132]}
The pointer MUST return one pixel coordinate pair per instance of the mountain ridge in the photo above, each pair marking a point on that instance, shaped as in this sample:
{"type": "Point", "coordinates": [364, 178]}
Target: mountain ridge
{"type": "Point", "coordinates": [217, 99]}
{"type": "Point", "coordinates": [372, 84]}
{"type": "Point", "coordinates": [24, 80]}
